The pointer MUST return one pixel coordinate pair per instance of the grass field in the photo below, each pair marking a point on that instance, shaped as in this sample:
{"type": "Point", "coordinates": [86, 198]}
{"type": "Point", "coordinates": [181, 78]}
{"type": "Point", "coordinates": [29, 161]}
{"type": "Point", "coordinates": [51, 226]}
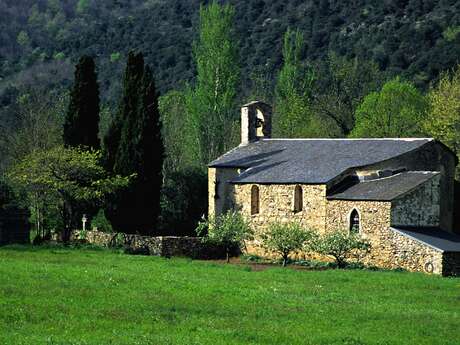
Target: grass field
{"type": "Point", "coordinates": [68, 296]}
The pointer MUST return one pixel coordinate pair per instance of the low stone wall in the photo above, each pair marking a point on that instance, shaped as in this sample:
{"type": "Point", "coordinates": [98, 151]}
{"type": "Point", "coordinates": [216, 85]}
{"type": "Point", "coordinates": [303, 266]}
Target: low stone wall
{"type": "Point", "coordinates": [165, 246]}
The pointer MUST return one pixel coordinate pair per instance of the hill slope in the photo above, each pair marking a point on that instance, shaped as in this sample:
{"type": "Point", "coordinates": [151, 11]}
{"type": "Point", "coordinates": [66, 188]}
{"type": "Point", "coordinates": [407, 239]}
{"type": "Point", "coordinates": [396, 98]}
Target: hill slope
{"type": "Point", "coordinates": [415, 38]}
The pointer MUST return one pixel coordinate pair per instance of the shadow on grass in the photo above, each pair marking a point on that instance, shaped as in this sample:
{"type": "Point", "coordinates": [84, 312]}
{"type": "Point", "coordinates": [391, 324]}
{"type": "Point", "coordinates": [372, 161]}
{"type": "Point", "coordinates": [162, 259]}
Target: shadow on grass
{"type": "Point", "coordinates": [259, 262]}
{"type": "Point", "coordinates": [250, 263]}
{"type": "Point", "coordinates": [53, 246]}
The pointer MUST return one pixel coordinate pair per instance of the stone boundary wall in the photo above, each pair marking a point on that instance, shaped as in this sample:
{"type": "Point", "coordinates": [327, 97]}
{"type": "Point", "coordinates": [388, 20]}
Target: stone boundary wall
{"type": "Point", "coordinates": [166, 246]}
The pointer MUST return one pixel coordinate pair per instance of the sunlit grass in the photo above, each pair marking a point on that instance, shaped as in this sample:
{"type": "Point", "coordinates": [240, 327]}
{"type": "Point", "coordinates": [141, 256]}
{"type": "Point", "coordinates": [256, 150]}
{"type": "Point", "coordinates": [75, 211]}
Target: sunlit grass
{"type": "Point", "coordinates": [68, 296]}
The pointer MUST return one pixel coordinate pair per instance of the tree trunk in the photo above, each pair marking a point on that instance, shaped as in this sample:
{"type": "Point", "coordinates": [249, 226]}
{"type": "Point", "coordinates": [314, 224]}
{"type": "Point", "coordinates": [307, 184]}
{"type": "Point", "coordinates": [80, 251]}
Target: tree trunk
{"type": "Point", "coordinates": [67, 217]}
{"type": "Point", "coordinates": [37, 221]}
{"type": "Point", "coordinates": [341, 263]}
{"type": "Point", "coordinates": [227, 252]}
{"type": "Point", "coordinates": [285, 259]}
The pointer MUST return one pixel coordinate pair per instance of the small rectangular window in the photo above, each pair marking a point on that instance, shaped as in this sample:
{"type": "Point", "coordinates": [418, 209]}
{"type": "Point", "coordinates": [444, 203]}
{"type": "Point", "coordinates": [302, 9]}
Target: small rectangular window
{"type": "Point", "coordinates": [298, 199]}
{"type": "Point", "coordinates": [254, 200]}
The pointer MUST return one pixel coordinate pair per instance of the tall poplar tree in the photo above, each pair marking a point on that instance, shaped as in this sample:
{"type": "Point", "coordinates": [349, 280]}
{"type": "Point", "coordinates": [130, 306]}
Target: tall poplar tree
{"type": "Point", "coordinates": [134, 145]}
{"type": "Point", "coordinates": [211, 104]}
{"type": "Point", "coordinates": [293, 91]}
{"type": "Point", "coordinates": [81, 124]}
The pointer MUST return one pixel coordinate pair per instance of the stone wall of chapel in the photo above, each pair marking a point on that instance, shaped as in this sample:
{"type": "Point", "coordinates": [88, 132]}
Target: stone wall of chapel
{"type": "Point", "coordinates": [431, 157]}
{"type": "Point", "coordinates": [420, 207]}
{"type": "Point", "coordinates": [220, 192]}
{"type": "Point", "coordinates": [401, 251]}
{"type": "Point", "coordinates": [374, 216]}
{"type": "Point", "coordinates": [276, 204]}
{"type": "Point", "coordinates": [390, 249]}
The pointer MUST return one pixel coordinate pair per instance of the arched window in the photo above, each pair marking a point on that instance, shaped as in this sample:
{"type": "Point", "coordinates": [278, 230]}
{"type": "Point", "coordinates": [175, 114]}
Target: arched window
{"type": "Point", "coordinates": [354, 222]}
{"type": "Point", "coordinates": [254, 200]}
{"type": "Point", "coordinates": [298, 199]}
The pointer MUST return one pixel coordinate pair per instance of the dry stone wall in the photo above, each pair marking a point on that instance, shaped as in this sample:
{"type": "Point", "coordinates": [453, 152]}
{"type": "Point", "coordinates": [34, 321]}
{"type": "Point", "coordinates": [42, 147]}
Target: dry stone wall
{"type": "Point", "coordinates": [166, 246]}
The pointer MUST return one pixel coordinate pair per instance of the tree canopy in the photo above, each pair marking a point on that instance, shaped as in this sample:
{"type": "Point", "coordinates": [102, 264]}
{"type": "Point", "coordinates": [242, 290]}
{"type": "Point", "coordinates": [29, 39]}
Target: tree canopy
{"type": "Point", "coordinates": [397, 110]}
{"type": "Point", "coordinates": [61, 176]}
{"type": "Point", "coordinates": [443, 120]}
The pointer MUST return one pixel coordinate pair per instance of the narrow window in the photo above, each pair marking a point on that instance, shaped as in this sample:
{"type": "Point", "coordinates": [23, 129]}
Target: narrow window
{"type": "Point", "coordinates": [354, 222]}
{"type": "Point", "coordinates": [298, 199]}
{"type": "Point", "coordinates": [254, 200]}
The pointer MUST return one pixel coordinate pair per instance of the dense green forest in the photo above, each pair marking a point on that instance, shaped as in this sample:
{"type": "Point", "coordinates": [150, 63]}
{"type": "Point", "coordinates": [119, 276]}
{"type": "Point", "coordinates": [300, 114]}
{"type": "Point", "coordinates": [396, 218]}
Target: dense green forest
{"type": "Point", "coordinates": [413, 38]}
{"type": "Point", "coordinates": [330, 68]}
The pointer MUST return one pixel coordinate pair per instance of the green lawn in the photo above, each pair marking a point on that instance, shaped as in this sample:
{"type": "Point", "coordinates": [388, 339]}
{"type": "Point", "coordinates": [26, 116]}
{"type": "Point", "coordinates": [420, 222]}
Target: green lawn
{"type": "Point", "coordinates": [65, 296]}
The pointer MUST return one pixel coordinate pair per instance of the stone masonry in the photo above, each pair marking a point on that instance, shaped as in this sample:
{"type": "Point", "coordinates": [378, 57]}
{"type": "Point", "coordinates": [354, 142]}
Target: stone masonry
{"type": "Point", "coordinates": [420, 207]}
{"type": "Point", "coordinates": [166, 246]}
{"type": "Point", "coordinates": [389, 248]}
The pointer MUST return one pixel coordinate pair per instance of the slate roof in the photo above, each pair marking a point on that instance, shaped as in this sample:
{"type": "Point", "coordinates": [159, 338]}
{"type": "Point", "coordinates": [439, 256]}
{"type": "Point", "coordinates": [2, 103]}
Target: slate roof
{"type": "Point", "coordinates": [313, 161]}
{"type": "Point", "coordinates": [434, 237]}
{"type": "Point", "coordinates": [384, 189]}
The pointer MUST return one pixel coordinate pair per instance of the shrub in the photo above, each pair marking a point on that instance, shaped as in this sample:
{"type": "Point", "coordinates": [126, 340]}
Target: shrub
{"type": "Point", "coordinates": [284, 239]}
{"type": "Point", "coordinates": [341, 245]}
{"type": "Point", "coordinates": [101, 222]}
{"type": "Point", "coordinates": [229, 230]}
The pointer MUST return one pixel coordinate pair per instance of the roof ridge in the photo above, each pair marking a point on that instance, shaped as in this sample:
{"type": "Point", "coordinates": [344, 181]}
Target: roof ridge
{"type": "Point", "coordinates": [425, 172]}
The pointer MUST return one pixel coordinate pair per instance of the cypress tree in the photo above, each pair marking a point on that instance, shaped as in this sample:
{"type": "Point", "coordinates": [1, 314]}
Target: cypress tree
{"type": "Point", "coordinates": [127, 107]}
{"type": "Point", "coordinates": [136, 146]}
{"type": "Point", "coordinates": [81, 126]}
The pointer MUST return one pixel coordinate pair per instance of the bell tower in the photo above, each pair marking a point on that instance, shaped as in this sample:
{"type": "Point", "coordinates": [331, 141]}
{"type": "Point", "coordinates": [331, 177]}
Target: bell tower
{"type": "Point", "coordinates": [256, 122]}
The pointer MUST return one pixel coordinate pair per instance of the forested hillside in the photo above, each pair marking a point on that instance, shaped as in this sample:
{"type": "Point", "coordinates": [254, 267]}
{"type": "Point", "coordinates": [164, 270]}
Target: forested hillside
{"type": "Point", "coordinates": [413, 38]}
{"type": "Point", "coordinates": [330, 68]}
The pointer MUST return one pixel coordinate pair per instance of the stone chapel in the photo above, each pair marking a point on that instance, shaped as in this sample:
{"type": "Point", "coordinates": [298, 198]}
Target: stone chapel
{"type": "Point", "coordinates": [397, 193]}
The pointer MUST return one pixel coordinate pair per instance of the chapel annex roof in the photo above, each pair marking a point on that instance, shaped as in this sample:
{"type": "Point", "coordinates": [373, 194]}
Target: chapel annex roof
{"type": "Point", "coordinates": [310, 161]}
{"type": "Point", "coordinates": [384, 189]}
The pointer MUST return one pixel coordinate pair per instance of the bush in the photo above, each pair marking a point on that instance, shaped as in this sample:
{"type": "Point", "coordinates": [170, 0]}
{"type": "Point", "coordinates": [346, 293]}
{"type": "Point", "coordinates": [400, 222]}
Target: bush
{"type": "Point", "coordinates": [229, 230]}
{"type": "Point", "coordinates": [101, 222]}
{"type": "Point", "coordinates": [284, 239]}
{"type": "Point", "coordinates": [341, 245]}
